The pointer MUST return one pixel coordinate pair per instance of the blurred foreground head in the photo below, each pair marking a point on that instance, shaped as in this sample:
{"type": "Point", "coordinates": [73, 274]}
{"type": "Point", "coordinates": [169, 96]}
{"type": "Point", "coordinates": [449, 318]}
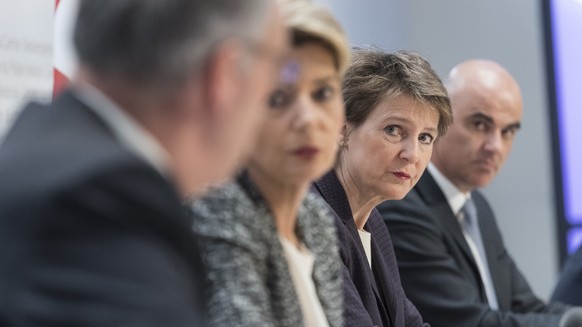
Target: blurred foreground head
{"type": "Point", "coordinates": [194, 73]}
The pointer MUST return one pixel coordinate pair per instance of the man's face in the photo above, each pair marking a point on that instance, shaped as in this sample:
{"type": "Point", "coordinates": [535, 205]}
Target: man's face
{"type": "Point", "coordinates": [258, 76]}
{"type": "Point", "coordinates": [475, 147]}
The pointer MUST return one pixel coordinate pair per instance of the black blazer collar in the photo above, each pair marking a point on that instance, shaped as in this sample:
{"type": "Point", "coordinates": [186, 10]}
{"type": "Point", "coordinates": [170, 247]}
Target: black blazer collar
{"type": "Point", "coordinates": [434, 197]}
{"type": "Point", "coordinates": [333, 192]}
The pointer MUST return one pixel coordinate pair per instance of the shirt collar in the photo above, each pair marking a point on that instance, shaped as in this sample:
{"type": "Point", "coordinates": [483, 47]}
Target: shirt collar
{"type": "Point", "coordinates": [125, 129]}
{"type": "Point", "coordinates": [454, 196]}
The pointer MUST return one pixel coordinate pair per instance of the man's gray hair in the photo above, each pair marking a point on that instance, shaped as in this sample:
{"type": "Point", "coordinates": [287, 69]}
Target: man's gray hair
{"type": "Point", "coordinates": [160, 42]}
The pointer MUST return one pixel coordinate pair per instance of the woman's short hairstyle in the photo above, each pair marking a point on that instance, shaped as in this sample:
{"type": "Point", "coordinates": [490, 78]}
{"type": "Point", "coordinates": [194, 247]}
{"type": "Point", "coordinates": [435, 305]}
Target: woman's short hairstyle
{"type": "Point", "coordinates": [375, 75]}
{"type": "Point", "coordinates": [309, 22]}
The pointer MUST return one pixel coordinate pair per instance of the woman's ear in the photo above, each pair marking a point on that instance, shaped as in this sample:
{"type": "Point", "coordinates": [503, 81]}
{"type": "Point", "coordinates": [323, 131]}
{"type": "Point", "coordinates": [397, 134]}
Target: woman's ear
{"type": "Point", "coordinates": [344, 135]}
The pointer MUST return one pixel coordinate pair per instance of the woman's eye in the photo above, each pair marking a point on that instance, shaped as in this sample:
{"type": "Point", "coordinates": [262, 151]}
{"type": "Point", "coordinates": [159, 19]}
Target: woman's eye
{"type": "Point", "coordinates": [426, 138]}
{"type": "Point", "coordinates": [323, 93]}
{"type": "Point", "coordinates": [393, 130]}
{"type": "Point", "coordinates": [279, 99]}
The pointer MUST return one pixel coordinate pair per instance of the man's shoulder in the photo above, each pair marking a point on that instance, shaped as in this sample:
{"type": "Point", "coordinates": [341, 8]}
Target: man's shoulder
{"type": "Point", "coordinates": [61, 160]}
{"type": "Point", "coordinates": [54, 146]}
{"type": "Point", "coordinates": [413, 202]}
{"type": "Point", "coordinates": [119, 183]}
{"type": "Point", "coordinates": [65, 130]}
{"type": "Point", "coordinates": [423, 208]}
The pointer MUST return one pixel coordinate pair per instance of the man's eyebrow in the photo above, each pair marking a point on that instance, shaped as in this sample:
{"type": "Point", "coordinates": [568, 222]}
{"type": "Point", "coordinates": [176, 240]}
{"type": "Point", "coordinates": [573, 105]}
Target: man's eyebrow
{"type": "Point", "coordinates": [480, 115]}
{"type": "Point", "coordinates": [483, 116]}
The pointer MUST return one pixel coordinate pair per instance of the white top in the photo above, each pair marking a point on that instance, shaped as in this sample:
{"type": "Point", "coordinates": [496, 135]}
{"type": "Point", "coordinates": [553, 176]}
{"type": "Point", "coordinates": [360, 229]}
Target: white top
{"type": "Point", "coordinates": [366, 239]}
{"type": "Point", "coordinates": [301, 268]}
{"type": "Point", "coordinates": [127, 131]}
{"type": "Point", "coordinates": [457, 200]}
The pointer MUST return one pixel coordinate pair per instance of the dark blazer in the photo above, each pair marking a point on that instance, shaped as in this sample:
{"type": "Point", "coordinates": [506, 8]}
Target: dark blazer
{"type": "Point", "coordinates": [248, 275]}
{"type": "Point", "coordinates": [439, 273]}
{"type": "Point", "coordinates": [90, 235]}
{"type": "Point", "coordinates": [373, 297]}
{"type": "Point", "coordinates": [569, 288]}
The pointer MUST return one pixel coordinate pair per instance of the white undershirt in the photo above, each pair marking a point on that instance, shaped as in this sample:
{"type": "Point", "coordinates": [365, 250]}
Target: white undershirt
{"type": "Point", "coordinates": [366, 239]}
{"type": "Point", "coordinates": [300, 263]}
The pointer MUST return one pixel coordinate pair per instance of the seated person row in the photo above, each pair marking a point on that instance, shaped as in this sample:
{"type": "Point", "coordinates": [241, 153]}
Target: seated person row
{"type": "Point", "coordinates": [269, 245]}
{"type": "Point", "coordinates": [451, 256]}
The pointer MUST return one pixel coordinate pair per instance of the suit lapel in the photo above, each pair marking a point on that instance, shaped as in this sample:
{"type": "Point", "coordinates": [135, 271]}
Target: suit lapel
{"type": "Point", "coordinates": [376, 272]}
{"type": "Point", "coordinates": [385, 269]}
{"type": "Point", "coordinates": [494, 249]}
{"type": "Point", "coordinates": [434, 197]}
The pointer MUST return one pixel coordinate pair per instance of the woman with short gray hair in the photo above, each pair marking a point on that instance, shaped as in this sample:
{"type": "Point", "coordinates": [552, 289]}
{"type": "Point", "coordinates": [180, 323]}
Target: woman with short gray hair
{"type": "Point", "coordinates": [396, 107]}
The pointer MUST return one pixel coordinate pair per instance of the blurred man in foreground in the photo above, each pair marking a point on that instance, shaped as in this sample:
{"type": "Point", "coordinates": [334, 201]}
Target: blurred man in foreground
{"type": "Point", "coordinates": [166, 100]}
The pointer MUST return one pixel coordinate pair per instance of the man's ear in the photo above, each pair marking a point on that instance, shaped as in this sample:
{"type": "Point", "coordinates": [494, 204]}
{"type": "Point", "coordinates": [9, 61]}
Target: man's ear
{"type": "Point", "coordinates": [223, 77]}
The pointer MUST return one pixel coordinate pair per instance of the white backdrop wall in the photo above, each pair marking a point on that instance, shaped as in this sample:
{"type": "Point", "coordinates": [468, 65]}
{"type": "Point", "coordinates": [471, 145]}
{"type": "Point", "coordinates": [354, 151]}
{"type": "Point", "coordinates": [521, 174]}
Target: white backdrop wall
{"type": "Point", "coordinates": [510, 32]}
{"type": "Point", "coordinates": [26, 55]}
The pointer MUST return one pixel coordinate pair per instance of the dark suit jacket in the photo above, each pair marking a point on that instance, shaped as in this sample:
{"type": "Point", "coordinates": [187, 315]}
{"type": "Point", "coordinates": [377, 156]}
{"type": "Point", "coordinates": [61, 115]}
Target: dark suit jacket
{"type": "Point", "coordinates": [569, 288]}
{"type": "Point", "coordinates": [372, 296]}
{"type": "Point", "coordinates": [439, 273]}
{"type": "Point", "coordinates": [89, 233]}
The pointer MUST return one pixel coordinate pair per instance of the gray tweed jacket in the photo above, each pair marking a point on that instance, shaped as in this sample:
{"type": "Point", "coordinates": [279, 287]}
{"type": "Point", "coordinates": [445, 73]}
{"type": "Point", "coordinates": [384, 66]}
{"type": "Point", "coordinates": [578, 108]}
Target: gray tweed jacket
{"type": "Point", "coordinates": [248, 278]}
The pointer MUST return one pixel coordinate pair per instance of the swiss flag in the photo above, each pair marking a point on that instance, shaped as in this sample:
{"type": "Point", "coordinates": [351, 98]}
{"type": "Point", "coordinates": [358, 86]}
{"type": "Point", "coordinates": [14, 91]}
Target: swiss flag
{"type": "Point", "coordinates": [65, 59]}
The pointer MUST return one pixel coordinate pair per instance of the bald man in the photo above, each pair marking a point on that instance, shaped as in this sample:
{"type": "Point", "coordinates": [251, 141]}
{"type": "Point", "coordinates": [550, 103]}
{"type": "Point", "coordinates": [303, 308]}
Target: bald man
{"type": "Point", "coordinates": [452, 260]}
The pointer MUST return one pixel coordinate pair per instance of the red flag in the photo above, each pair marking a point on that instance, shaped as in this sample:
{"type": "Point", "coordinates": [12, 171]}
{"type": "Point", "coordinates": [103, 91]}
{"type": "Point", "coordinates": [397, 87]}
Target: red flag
{"type": "Point", "coordinates": [65, 60]}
